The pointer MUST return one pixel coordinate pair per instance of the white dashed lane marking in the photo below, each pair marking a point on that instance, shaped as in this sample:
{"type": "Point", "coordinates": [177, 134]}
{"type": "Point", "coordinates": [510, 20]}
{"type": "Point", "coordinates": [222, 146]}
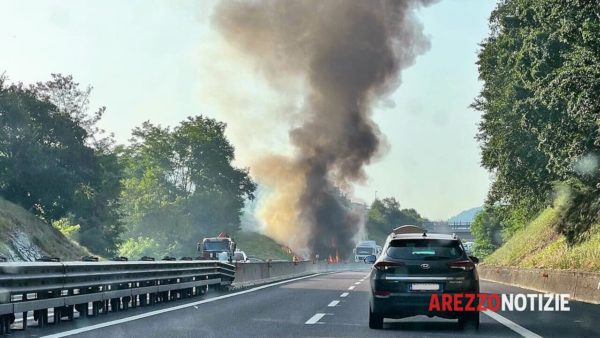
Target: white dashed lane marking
{"type": "Point", "coordinates": [351, 288]}
{"type": "Point", "coordinates": [356, 283]}
{"type": "Point", "coordinates": [334, 303]}
{"type": "Point", "coordinates": [344, 294]}
{"type": "Point", "coordinates": [315, 319]}
{"type": "Point", "coordinates": [512, 325]}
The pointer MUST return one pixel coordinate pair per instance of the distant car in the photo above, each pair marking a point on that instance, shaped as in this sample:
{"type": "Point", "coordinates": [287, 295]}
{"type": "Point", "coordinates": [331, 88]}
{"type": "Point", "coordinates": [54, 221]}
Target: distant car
{"type": "Point", "coordinates": [240, 256]}
{"type": "Point", "coordinates": [414, 266]}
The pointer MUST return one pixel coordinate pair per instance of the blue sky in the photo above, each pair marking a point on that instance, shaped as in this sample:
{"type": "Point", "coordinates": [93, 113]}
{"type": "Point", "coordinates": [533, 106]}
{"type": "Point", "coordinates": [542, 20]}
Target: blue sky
{"type": "Point", "coordinates": [162, 61]}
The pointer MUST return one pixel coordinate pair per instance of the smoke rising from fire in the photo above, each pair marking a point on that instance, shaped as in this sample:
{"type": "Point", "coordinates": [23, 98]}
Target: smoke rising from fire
{"type": "Point", "coordinates": [346, 54]}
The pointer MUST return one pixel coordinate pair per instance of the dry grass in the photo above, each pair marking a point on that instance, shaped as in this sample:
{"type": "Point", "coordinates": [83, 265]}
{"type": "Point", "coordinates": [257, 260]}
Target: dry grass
{"type": "Point", "coordinates": [538, 245]}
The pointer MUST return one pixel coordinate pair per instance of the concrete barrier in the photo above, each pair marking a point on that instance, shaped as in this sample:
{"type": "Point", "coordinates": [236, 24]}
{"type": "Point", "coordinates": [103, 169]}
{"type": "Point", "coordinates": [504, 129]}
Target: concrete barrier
{"type": "Point", "coordinates": [582, 286]}
{"type": "Point", "coordinates": [251, 274]}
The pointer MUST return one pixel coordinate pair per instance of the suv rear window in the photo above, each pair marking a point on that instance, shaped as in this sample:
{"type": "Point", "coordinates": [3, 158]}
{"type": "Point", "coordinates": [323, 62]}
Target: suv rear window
{"type": "Point", "coordinates": [424, 249]}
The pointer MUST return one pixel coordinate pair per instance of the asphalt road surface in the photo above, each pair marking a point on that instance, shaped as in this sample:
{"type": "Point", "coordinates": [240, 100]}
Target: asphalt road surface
{"type": "Point", "coordinates": [325, 305]}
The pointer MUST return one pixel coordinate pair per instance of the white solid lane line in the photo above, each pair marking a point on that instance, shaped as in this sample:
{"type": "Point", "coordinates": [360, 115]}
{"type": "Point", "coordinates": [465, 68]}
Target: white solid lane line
{"type": "Point", "coordinates": [351, 288]}
{"type": "Point", "coordinates": [511, 325]}
{"type": "Point", "coordinates": [174, 308]}
{"type": "Point", "coordinates": [344, 294]}
{"type": "Point", "coordinates": [333, 303]}
{"type": "Point", "coordinates": [315, 319]}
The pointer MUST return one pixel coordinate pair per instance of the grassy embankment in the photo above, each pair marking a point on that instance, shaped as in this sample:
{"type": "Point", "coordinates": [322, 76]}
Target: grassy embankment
{"type": "Point", "coordinates": [260, 246]}
{"type": "Point", "coordinates": [14, 219]}
{"type": "Point", "coordinates": [538, 245]}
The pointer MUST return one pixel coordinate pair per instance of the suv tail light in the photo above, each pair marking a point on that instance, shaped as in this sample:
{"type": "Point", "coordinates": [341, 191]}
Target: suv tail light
{"type": "Point", "coordinates": [385, 265]}
{"type": "Point", "coordinates": [463, 265]}
{"type": "Point", "coordinates": [382, 294]}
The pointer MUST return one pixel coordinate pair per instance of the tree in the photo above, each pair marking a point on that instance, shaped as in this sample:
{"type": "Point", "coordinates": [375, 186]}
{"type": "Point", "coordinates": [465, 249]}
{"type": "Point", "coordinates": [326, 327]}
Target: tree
{"type": "Point", "coordinates": [180, 184]}
{"type": "Point", "coordinates": [487, 230]}
{"type": "Point", "coordinates": [385, 215]}
{"type": "Point", "coordinates": [50, 166]}
{"type": "Point", "coordinates": [541, 72]}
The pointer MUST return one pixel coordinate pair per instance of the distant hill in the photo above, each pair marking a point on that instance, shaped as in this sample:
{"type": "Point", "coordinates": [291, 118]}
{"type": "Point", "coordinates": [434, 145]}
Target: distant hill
{"type": "Point", "coordinates": [466, 215]}
{"type": "Point", "coordinates": [24, 237]}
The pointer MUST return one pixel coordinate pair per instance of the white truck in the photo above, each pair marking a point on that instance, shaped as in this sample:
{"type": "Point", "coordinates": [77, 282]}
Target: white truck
{"type": "Point", "coordinates": [364, 249]}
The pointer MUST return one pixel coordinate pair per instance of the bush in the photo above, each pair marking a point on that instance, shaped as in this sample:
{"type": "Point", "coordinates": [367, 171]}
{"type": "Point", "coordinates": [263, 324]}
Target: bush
{"type": "Point", "coordinates": [136, 247]}
{"type": "Point", "coordinates": [486, 229]}
{"type": "Point", "coordinates": [66, 228]}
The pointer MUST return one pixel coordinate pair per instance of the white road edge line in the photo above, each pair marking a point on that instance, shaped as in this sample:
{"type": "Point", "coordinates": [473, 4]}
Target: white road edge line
{"type": "Point", "coordinates": [351, 288]}
{"type": "Point", "coordinates": [315, 319]}
{"type": "Point", "coordinates": [174, 308]}
{"type": "Point", "coordinates": [344, 294]}
{"type": "Point", "coordinates": [511, 325]}
{"type": "Point", "coordinates": [333, 303]}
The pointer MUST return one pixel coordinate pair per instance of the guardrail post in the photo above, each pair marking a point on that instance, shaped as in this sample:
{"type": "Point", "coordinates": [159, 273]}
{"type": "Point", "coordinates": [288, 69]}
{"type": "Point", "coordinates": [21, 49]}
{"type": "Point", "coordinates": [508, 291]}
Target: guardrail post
{"type": "Point", "coordinates": [70, 312]}
{"type": "Point", "coordinates": [134, 298]}
{"type": "Point", "coordinates": [57, 314]}
{"type": "Point", "coordinates": [5, 321]}
{"type": "Point", "coordinates": [126, 299]}
{"type": "Point", "coordinates": [24, 323]}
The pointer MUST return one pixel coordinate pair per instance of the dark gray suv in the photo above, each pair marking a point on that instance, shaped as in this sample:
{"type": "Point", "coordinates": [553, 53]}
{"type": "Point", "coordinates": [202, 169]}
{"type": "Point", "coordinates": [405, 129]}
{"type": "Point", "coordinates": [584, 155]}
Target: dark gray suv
{"type": "Point", "coordinates": [413, 267]}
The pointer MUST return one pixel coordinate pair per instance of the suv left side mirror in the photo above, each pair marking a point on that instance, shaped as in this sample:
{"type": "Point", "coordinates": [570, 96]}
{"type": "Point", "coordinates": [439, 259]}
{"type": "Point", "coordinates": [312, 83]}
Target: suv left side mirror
{"type": "Point", "coordinates": [370, 259]}
{"type": "Point", "coordinates": [474, 259]}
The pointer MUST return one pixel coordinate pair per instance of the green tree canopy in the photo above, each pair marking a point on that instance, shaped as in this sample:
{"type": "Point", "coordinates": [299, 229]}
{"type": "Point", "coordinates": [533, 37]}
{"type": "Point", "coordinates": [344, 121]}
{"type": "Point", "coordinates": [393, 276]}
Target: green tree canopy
{"type": "Point", "coordinates": [49, 163]}
{"type": "Point", "coordinates": [385, 214]}
{"type": "Point", "coordinates": [180, 184]}
{"type": "Point", "coordinates": [540, 69]}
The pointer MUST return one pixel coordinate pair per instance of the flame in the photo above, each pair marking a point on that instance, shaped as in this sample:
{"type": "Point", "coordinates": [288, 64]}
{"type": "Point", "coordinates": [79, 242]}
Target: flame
{"type": "Point", "coordinates": [334, 259]}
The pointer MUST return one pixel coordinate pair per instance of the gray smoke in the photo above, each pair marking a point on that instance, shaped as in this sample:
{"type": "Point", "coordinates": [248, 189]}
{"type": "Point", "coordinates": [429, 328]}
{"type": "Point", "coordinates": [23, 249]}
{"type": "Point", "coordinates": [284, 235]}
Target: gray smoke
{"type": "Point", "coordinates": [348, 54]}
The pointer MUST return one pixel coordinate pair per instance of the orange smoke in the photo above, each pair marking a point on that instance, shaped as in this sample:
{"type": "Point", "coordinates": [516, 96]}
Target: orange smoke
{"type": "Point", "coordinates": [279, 210]}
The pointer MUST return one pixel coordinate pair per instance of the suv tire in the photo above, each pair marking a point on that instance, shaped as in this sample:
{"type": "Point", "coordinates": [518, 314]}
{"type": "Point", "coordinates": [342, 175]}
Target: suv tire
{"type": "Point", "coordinates": [375, 320]}
{"type": "Point", "coordinates": [469, 321]}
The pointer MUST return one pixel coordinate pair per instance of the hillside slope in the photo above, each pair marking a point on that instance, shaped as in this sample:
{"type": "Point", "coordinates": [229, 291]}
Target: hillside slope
{"type": "Point", "coordinates": [538, 245]}
{"type": "Point", "coordinates": [24, 237]}
{"type": "Point", "coordinates": [261, 246]}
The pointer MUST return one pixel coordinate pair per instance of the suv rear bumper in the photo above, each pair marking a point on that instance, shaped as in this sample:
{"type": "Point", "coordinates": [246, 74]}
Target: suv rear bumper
{"type": "Point", "coordinates": [402, 305]}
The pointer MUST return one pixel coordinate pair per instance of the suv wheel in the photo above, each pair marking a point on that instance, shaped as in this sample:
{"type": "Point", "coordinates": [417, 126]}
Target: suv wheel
{"type": "Point", "coordinates": [469, 321]}
{"type": "Point", "coordinates": [375, 320]}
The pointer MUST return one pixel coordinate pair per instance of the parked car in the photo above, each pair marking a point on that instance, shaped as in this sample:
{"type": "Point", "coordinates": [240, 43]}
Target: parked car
{"type": "Point", "coordinates": [240, 256]}
{"type": "Point", "coordinates": [413, 267]}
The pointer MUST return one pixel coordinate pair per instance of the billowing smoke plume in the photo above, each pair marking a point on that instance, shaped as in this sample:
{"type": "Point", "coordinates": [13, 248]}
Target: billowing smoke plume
{"type": "Point", "coordinates": [346, 54]}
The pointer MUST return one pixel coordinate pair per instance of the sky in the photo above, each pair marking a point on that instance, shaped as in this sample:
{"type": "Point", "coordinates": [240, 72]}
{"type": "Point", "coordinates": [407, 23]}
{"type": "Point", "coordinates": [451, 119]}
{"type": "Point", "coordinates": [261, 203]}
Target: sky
{"type": "Point", "coordinates": [163, 61]}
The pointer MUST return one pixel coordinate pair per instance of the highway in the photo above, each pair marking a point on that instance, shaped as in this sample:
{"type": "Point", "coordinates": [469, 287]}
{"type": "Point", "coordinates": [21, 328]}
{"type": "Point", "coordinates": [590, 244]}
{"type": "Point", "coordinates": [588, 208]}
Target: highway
{"type": "Point", "coordinates": [321, 305]}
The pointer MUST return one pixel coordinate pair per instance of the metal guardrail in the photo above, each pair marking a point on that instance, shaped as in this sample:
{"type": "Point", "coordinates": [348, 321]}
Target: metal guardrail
{"type": "Point", "coordinates": [72, 286]}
